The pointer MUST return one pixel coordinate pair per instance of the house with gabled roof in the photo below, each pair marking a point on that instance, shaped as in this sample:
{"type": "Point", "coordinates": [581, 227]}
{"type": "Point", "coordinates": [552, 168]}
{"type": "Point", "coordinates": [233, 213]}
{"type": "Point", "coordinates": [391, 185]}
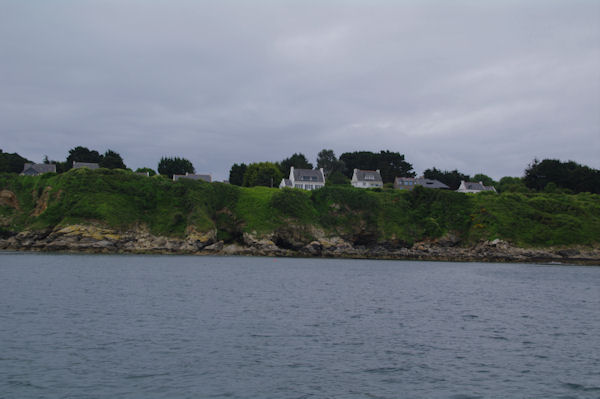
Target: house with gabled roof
{"type": "Point", "coordinates": [473, 187]}
{"type": "Point", "coordinates": [366, 178]}
{"type": "Point", "coordinates": [193, 176]}
{"type": "Point", "coordinates": [34, 169]}
{"type": "Point", "coordinates": [306, 179]}
{"type": "Point", "coordinates": [409, 183]}
{"type": "Point", "coordinates": [89, 165]}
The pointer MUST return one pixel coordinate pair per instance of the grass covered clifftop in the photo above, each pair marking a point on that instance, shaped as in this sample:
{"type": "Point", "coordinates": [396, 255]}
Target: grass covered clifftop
{"type": "Point", "coordinates": [123, 200]}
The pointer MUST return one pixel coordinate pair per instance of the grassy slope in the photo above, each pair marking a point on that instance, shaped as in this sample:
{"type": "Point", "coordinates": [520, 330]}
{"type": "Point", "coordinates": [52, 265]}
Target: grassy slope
{"type": "Point", "coordinates": [122, 200]}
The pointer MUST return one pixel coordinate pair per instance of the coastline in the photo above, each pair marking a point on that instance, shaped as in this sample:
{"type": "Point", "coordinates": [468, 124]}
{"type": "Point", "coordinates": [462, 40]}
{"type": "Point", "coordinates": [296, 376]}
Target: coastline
{"type": "Point", "coordinates": [91, 239]}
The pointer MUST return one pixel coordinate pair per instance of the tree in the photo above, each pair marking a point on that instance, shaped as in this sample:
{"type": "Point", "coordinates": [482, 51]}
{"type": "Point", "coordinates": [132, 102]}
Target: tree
{"type": "Point", "coordinates": [327, 160]}
{"type": "Point", "coordinates": [175, 166]}
{"type": "Point", "coordinates": [82, 154]}
{"type": "Point", "coordinates": [150, 172]}
{"type": "Point", "coordinates": [510, 184]}
{"type": "Point", "coordinates": [450, 178]}
{"type": "Point", "coordinates": [565, 175]}
{"type": "Point", "coordinates": [262, 174]}
{"type": "Point", "coordinates": [236, 174]}
{"type": "Point", "coordinates": [390, 164]}
{"type": "Point", "coordinates": [112, 160]}
{"type": "Point", "coordinates": [337, 178]}
{"type": "Point", "coordinates": [11, 163]}
{"type": "Point", "coordinates": [298, 161]}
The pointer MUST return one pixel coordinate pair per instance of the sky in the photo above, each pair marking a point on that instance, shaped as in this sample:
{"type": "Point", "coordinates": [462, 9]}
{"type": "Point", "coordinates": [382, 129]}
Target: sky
{"type": "Point", "coordinates": [478, 86]}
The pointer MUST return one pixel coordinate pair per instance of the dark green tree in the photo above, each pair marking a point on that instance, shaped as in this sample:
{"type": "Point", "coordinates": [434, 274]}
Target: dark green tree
{"type": "Point", "coordinates": [450, 178]}
{"type": "Point", "coordinates": [327, 160]}
{"type": "Point", "coordinates": [262, 174]}
{"type": "Point", "coordinates": [236, 174]}
{"type": "Point", "coordinates": [11, 162]}
{"type": "Point", "coordinates": [390, 164]}
{"type": "Point", "coordinates": [150, 172]}
{"type": "Point", "coordinates": [565, 175]}
{"type": "Point", "coordinates": [82, 154]}
{"type": "Point", "coordinates": [112, 160]}
{"type": "Point", "coordinates": [298, 161]}
{"type": "Point", "coordinates": [175, 166]}
{"type": "Point", "coordinates": [510, 184]}
{"type": "Point", "coordinates": [337, 178]}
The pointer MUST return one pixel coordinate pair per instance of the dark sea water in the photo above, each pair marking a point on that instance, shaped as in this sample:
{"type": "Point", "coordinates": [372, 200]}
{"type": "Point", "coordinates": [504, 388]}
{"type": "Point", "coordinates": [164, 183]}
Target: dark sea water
{"type": "Point", "coordinates": [95, 326]}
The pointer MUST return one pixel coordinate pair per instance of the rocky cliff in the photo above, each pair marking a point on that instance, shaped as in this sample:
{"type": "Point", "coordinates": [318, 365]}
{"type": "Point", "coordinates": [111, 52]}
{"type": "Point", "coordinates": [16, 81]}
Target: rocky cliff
{"type": "Point", "coordinates": [116, 211]}
{"type": "Point", "coordinates": [93, 239]}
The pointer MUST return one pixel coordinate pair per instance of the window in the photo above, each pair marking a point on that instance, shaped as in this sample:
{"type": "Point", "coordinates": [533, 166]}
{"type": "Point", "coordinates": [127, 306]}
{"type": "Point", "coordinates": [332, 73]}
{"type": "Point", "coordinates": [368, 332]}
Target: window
{"type": "Point", "coordinates": [298, 185]}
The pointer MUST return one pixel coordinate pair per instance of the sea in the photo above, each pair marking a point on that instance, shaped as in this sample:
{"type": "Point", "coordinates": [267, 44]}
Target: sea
{"type": "Point", "coordinates": [137, 326]}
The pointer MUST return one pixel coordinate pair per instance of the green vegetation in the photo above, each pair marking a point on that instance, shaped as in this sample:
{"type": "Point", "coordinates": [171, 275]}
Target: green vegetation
{"type": "Point", "coordinates": [265, 174]}
{"type": "Point", "coordinates": [11, 163]}
{"type": "Point", "coordinates": [175, 166]}
{"type": "Point", "coordinates": [569, 176]}
{"type": "Point", "coordinates": [123, 200]}
{"type": "Point", "coordinates": [390, 164]}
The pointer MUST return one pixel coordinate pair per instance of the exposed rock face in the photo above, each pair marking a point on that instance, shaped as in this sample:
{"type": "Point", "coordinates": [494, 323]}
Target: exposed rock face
{"type": "Point", "coordinates": [42, 203]}
{"type": "Point", "coordinates": [87, 238]}
{"type": "Point", "coordinates": [8, 198]}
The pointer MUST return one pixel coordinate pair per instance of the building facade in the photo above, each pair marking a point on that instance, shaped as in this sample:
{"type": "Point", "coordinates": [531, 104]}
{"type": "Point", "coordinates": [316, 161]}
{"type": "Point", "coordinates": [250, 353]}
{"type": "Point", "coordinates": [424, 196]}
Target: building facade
{"type": "Point", "coordinates": [366, 179]}
{"type": "Point", "coordinates": [306, 179]}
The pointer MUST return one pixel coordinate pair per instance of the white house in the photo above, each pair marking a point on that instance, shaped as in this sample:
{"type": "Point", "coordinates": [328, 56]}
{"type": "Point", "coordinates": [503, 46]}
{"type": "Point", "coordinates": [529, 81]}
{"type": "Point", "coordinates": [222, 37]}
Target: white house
{"type": "Point", "coordinates": [366, 178]}
{"type": "Point", "coordinates": [306, 179]}
{"type": "Point", "coordinates": [473, 187]}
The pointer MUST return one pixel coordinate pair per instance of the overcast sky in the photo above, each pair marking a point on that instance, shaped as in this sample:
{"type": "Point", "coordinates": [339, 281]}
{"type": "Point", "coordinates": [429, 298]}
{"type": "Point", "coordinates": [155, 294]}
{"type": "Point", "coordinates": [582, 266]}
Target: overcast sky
{"type": "Point", "coordinates": [478, 86]}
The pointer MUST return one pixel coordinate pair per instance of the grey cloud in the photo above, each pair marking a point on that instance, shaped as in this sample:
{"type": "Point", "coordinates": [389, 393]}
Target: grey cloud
{"type": "Point", "coordinates": [481, 88]}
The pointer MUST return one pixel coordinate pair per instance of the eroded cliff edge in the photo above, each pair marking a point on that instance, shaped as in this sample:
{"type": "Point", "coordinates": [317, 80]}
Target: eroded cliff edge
{"type": "Point", "coordinates": [110, 211]}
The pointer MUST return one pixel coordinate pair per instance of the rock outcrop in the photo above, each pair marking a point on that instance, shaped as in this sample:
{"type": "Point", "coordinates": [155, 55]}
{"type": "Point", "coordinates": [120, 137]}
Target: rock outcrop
{"type": "Point", "coordinates": [96, 239]}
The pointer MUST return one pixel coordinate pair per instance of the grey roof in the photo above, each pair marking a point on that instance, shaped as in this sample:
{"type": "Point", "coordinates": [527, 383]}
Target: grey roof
{"type": "Point", "coordinates": [478, 186]}
{"type": "Point", "coordinates": [206, 178]}
{"type": "Point", "coordinates": [38, 168]}
{"type": "Point", "coordinates": [90, 165]}
{"type": "Point", "coordinates": [431, 183]}
{"type": "Point", "coordinates": [368, 175]}
{"type": "Point", "coordinates": [474, 186]}
{"type": "Point", "coordinates": [421, 181]}
{"type": "Point", "coordinates": [312, 175]}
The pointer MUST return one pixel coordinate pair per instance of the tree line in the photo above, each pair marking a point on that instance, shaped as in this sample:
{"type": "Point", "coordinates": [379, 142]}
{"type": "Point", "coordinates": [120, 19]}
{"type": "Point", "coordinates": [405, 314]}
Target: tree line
{"type": "Point", "coordinates": [167, 166]}
{"type": "Point", "coordinates": [336, 170]}
{"type": "Point", "coordinates": [548, 175]}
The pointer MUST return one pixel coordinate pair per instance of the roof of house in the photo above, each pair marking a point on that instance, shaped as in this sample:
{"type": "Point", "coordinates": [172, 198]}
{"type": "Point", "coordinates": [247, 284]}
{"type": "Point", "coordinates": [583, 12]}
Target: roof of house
{"type": "Point", "coordinates": [367, 175]}
{"type": "Point", "coordinates": [39, 167]}
{"type": "Point", "coordinates": [206, 178]}
{"type": "Point", "coordinates": [421, 181]}
{"type": "Point", "coordinates": [477, 186]}
{"type": "Point", "coordinates": [312, 175]}
{"type": "Point", "coordinates": [431, 183]}
{"type": "Point", "coordinates": [90, 165]}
